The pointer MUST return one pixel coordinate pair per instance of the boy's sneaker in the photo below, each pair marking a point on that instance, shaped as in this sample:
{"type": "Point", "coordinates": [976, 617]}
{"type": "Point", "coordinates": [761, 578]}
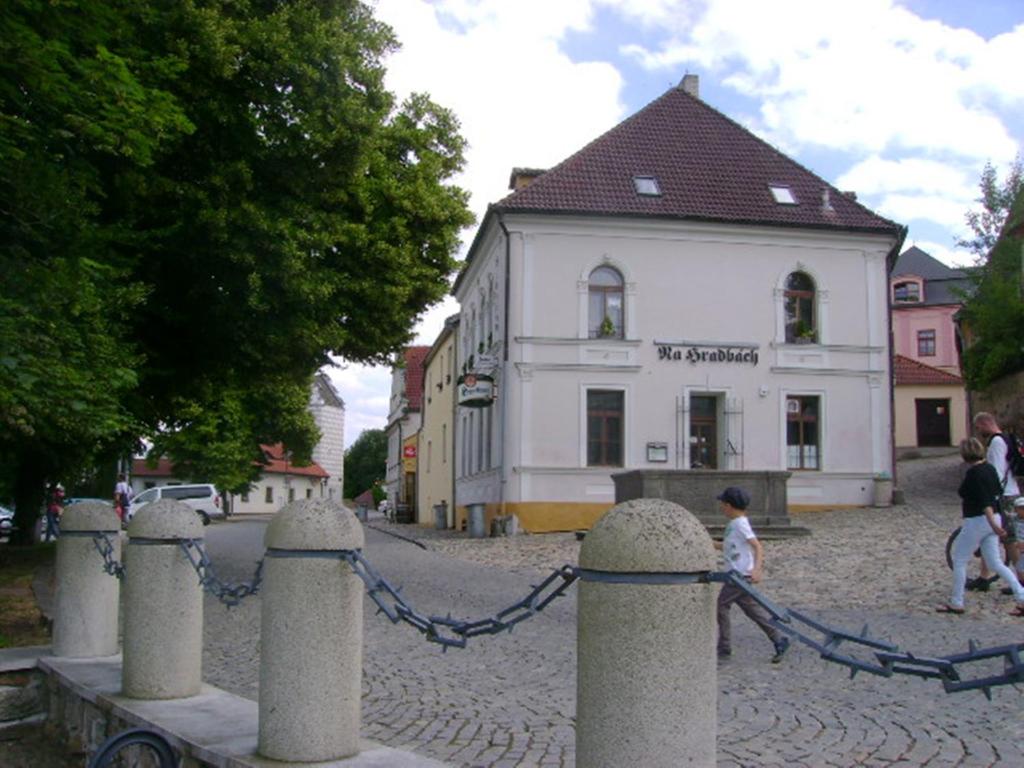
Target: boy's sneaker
{"type": "Point", "coordinates": [980, 584]}
{"type": "Point", "coordinates": [780, 650]}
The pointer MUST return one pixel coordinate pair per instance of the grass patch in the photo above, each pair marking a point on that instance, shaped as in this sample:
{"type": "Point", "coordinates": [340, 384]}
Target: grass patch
{"type": "Point", "coordinates": [21, 623]}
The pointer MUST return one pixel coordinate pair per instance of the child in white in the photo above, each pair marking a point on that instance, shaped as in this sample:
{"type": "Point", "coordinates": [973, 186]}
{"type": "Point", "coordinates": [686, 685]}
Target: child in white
{"type": "Point", "coordinates": [745, 556]}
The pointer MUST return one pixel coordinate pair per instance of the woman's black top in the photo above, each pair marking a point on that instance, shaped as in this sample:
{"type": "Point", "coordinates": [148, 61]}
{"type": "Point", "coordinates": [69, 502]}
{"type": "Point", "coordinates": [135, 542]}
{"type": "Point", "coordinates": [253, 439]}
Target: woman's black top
{"type": "Point", "coordinates": [980, 489]}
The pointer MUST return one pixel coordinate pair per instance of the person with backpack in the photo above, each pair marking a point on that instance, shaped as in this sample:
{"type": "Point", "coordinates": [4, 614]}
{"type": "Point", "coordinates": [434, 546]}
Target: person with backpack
{"type": "Point", "coordinates": [1004, 455]}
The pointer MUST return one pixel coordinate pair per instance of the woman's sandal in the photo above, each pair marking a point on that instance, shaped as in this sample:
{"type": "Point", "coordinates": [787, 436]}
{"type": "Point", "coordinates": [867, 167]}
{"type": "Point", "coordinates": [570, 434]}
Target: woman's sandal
{"type": "Point", "coordinates": [1018, 611]}
{"type": "Point", "coordinates": [951, 609]}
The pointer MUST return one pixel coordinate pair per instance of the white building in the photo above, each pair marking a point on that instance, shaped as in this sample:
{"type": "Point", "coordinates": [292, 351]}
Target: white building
{"type": "Point", "coordinates": [280, 481]}
{"type": "Point", "coordinates": [678, 293]}
{"type": "Point", "coordinates": [328, 411]}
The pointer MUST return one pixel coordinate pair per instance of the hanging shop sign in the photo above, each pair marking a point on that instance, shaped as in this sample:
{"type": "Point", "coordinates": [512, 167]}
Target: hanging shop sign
{"type": "Point", "coordinates": [476, 390]}
{"type": "Point", "coordinates": [409, 453]}
{"type": "Point", "coordinates": [699, 352]}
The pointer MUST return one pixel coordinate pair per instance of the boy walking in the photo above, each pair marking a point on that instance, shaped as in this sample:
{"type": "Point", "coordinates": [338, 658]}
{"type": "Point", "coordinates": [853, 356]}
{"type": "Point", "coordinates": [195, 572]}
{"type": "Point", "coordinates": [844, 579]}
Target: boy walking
{"type": "Point", "coordinates": [744, 555]}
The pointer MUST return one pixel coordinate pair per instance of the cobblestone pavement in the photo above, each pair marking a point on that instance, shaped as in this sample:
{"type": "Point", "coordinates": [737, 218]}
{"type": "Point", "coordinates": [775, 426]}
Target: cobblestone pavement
{"type": "Point", "coordinates": [510, 700]}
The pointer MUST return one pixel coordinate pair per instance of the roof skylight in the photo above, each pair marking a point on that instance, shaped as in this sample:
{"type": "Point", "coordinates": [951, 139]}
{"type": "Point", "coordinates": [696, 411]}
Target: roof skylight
{"type": "Point", "coordinates": [783, 195]}
{"type": "Point", "coordinates": [647, 185]}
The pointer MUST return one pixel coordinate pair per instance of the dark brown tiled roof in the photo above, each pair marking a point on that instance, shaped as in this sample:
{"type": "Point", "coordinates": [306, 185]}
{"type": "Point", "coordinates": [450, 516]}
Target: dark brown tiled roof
{"type": "Point", "coordinates": [908, 371]}
{"type": "Point", "coordinates": [708, 167]}
{"type": "Point", "coordinates": [414, 357]}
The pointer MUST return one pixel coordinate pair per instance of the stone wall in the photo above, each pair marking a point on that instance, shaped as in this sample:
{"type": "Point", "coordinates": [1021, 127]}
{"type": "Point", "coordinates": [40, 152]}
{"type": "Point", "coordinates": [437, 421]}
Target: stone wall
{"type": "Point", "coordinates": [1004, 399]}
{"type": "Point", "coordinates": [696, 490]}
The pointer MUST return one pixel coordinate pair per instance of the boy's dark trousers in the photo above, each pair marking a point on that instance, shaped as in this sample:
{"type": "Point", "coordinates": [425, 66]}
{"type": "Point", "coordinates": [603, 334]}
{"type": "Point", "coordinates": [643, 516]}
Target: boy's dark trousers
{"type": "Point", "coordinates": [732, 594]}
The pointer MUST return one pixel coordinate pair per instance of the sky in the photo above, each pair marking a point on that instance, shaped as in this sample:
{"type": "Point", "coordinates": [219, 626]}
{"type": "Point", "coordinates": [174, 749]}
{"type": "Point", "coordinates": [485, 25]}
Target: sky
{"type": "Point", "coordinates": [901, 101]}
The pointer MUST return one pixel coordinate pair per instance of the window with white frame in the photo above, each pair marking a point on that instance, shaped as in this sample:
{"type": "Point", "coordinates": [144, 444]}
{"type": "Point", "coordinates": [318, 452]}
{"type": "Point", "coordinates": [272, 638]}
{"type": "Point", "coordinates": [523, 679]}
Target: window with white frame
{"type": "Point", "coordinates": [605, 427]}
{"type": "Point", "coordinates": [803, 432]}
{"type": "Point", "coordinates": [606, 315]}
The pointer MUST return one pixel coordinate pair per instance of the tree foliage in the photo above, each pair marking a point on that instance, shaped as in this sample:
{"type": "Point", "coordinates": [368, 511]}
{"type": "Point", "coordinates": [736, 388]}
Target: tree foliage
{"type": "Point", "coordinates": [993, 312]}
{"type": "Point", "coordinates": [996, 200]}
{"type": "Point", "coordinates": [365, 462]}
{"type": "Point", "coordinates": [199, 202]}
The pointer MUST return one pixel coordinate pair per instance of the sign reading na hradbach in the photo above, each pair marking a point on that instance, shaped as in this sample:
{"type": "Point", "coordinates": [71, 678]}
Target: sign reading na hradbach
{"type": "Point", "coordinates": [695, 352]}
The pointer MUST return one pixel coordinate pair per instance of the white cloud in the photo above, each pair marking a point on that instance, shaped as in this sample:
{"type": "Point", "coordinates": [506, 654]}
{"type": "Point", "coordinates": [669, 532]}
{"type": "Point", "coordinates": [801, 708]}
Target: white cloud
{"type": "Point", "coordinates": [521, 102]}
{"type": "Point", "coordinates": [499, 67]}
{"type": "Point", "coordinates": [867, 76]}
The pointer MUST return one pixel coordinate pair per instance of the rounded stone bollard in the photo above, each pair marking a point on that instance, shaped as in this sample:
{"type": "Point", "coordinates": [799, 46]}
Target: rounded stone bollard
{"type": "Point", "coordinates": [163, 606]}
{"type": "Point", "coordinates": [86, 602]}
{"type": "Point", "coordinates": [647, 678]}
{"type": "Point", "coordinates": [311, 636]}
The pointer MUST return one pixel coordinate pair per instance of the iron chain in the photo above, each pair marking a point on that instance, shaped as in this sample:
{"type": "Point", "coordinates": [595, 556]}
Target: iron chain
{"type": "Point", "coordinates": [229, 594]}
{"type": "Point", "coordinates": [889, 660]}
{"type": "Point", "coordinates": [444, 630]}
{"type": "Point", "coordinates": [101, 540]}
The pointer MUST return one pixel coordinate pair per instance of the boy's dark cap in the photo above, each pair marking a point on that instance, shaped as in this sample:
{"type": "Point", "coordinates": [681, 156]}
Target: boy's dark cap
{"type": "Point", "coordinates": [735, 497]}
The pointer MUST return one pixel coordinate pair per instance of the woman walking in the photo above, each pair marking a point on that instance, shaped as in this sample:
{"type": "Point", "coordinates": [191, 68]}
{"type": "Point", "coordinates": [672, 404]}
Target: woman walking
{"type": "Point", "coordinates": [982, 528]}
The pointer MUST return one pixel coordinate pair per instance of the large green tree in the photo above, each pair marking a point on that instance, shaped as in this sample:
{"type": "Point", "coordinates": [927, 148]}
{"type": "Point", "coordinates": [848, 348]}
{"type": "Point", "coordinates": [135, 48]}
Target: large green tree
{"type": "Point", "coordinates": [993, 311]}
{"type": "Point", "coordinates": [365, 462]}
{"type": "Point", "coordinates": [199, 201]}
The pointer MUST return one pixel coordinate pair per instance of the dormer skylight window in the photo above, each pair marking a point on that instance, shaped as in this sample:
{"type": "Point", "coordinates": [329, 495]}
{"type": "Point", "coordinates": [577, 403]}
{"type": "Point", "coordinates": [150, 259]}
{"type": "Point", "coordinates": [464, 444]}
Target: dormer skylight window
{"type": "Point", "coordinates": [783, 195]}
{"type": "Point", "coordinates": [647, 185]}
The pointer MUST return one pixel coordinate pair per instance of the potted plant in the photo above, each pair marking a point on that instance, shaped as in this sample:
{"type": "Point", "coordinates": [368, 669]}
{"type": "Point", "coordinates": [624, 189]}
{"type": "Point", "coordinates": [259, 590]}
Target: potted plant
{"type": "Point", "coordinates": [607, 328]}
{"type": "Point", "coordinates": [803, 333]}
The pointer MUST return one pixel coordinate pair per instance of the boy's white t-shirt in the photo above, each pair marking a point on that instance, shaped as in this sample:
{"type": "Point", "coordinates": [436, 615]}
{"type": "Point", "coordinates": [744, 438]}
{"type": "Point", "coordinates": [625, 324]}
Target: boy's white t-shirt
{"type": "Point", "coordinates": [739, 555]}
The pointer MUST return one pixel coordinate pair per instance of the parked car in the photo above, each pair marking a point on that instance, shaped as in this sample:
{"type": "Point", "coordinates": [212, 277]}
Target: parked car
{"type": "Point", "coordinates": [6, 522]}
{"type": "Point", "coordinates": [202, 497]}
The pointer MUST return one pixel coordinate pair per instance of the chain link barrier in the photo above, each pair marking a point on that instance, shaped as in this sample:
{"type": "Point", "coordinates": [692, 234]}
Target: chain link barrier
{"type": "Point", "coordinates": [229, 594]}
{"type": "Point", "coordinates": [889, 660]}
{"type": "Point", "coordinates": [448, 632]}
{"type": "Point", "coordinates": [105, 546]}
{"type": "Point", "coordinates": [445, 630]}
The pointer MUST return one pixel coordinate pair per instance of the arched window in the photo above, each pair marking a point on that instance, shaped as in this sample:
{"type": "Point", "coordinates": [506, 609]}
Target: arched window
{"type": "Point", "coordinates": [606, 304]}
{"type": "Point", "coordinates": [801, 320]}
{"type": "Point", "coordinates": [906, 292]}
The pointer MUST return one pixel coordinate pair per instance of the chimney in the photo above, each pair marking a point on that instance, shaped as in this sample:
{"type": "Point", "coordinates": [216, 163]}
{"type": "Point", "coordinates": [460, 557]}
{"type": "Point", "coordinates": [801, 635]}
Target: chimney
{"type": "Point", "coordinates": [691, 85]}
{"type": "Point", "coordinates": [524, 177]}
{"type": "Point", "coordinates": [850, 194]}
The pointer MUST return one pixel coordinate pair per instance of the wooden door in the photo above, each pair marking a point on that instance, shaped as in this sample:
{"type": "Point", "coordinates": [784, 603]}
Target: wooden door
{"type": "Point", "coordinates": [932, 422]}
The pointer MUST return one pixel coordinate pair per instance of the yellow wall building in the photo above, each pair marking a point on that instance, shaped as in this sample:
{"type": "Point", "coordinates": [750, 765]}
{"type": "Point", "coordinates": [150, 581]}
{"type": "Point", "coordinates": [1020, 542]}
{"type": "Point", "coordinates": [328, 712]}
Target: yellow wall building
{"type": "Point", "coordinates": [436, 439]}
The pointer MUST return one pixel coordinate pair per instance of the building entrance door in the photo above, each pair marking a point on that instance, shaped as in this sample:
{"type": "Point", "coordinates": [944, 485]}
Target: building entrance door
{"type": "Point", "coordinates": [703, 432]}
{"type": "Point", "coordinates": [932, 422]}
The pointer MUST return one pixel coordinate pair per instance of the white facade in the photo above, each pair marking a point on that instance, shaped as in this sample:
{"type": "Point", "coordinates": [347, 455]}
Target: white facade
{"type": "Point", "coordinates": [690, 290]}
{"type": "Point", "coordinates": [328, 411]}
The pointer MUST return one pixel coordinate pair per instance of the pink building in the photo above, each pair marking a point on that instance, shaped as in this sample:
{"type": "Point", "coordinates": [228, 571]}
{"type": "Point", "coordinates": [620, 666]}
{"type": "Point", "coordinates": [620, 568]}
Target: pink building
{"type": "Point", "coordinates": [930, 399]}
{"type": "Point", "coordinates": [925, 296]}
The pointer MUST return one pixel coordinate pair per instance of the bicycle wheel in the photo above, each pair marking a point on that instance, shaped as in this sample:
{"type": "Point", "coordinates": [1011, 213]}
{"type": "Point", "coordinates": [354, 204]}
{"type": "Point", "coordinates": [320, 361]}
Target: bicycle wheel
{"type": "Point", "coordinates": [135, 748]}
{"type": "Point", "coordinates": [949, 548]}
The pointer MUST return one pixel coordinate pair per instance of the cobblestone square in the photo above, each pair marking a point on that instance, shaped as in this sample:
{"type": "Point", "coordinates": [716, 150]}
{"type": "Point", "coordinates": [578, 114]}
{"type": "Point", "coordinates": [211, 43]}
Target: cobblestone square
{"type": "Point", "coordinates": [509, 700]}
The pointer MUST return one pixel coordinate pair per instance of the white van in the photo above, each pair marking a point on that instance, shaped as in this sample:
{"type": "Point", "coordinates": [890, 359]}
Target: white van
{"type": "Point", "coordinates": [202, 497]}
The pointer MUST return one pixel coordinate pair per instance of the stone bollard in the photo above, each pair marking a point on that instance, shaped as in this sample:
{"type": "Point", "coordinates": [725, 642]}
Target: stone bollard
{"type": "Point", "coordinates": [311, 655]}
{"type": "Point", "coordinates": [647, 678]}
{"type": "Point", "coordinates": [85, 621]}
{"type": "Point", "coordinates": [163, 607]}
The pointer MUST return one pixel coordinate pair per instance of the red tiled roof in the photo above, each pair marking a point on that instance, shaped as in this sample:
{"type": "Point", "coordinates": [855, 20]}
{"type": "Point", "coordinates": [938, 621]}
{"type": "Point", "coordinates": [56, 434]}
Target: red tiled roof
{"type": "Point", "coordinates": [707, 166]}
{"type": "Point", "coordinates": [275, 463]}
{"type": "Point", "coordinates": [164, 468]}
{"type": "Point", "coordinates": [414, 357]}
{"type": "Point", "coordinates": [908, 371]}
{"type": "Point", "coordinates": [366, 498]}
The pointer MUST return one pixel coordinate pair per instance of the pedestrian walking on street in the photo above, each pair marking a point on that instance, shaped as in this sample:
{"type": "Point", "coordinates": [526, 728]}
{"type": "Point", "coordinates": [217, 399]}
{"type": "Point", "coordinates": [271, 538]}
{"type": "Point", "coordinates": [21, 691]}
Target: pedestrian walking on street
{"type": "Point", "coordinates": [122, 496]}
{"type": "Point", "coordinates": [54, 506]}
{"type": "Point", "coordinates": [988, 429]}
{"type": "Point", "coordinates": [982, 528]}
{"type": "Point", "coordinates": [744, 556]}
